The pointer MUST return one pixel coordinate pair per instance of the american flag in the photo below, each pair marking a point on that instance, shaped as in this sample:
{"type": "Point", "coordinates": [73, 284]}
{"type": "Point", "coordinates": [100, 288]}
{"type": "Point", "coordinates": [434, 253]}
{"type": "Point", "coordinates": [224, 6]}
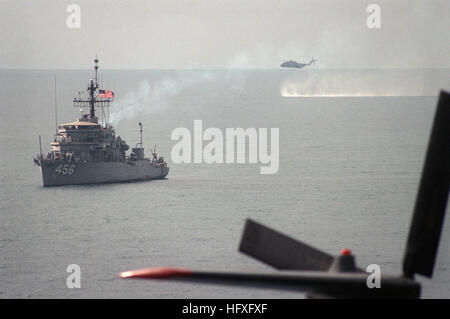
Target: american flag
{"type": "Point", "coordinates": [106, 94]}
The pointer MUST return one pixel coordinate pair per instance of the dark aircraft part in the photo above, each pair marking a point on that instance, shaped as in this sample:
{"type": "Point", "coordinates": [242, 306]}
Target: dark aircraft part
{"type": "Point", "coordinates": [281, 251]}
{"type": "Point", "coordinates": [431, 201]}
{"type": "Point", "coordinates": [344, 263]}
{"type": "Point", "coordinates": [329, 284]}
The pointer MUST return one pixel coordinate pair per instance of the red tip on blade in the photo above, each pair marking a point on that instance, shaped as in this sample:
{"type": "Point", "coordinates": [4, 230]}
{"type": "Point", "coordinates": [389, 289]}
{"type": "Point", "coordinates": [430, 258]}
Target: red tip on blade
{"type": "Point", "coordinates": [156, 272]}
{"type": "Point", "coordinates": [346, 252]}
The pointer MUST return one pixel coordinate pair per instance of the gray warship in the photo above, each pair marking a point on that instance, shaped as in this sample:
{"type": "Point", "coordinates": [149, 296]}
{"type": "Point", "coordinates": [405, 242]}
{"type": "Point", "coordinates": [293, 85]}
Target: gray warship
{"type": "Point", "coordinates": [89, 152]}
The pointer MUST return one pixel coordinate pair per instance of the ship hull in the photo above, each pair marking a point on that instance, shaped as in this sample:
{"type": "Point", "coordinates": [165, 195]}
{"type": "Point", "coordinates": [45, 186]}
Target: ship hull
{"type": "Point", "coordinates": [58, 173]}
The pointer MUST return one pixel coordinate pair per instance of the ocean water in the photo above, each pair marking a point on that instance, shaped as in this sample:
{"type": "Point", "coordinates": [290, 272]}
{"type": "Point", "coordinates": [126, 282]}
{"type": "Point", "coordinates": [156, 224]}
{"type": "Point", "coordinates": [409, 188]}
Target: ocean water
{"type": "Point", "coordinates": [352, 145]}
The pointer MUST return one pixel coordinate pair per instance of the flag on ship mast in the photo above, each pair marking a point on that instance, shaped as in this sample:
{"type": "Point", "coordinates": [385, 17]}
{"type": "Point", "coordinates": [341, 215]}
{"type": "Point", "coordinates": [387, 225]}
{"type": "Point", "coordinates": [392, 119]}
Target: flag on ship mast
{"type": "Point", "coordinates": [106, 94]}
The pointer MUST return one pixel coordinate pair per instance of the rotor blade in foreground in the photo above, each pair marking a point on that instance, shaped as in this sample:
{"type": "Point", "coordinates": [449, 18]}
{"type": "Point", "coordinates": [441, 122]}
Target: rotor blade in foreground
{"type": "Point", "coordinates": [281, 251]}
{"type": "Point", "coordinates": [341, 285]}
{"type": "Point", "coordinates": [431, 201]}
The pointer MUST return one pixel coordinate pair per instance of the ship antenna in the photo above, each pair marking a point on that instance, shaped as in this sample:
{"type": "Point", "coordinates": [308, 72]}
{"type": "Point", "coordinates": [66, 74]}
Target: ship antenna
{"type": "Point", "coordinates": [96, 69]}
{"type": "Point", "coordinates": [40, 146]}
{"type": "Point", "coordinates": [56, 112]}
{"type": "Point", "coordinates": [140, 131]}
{"type": "Point", "coordinates": [92, 87]}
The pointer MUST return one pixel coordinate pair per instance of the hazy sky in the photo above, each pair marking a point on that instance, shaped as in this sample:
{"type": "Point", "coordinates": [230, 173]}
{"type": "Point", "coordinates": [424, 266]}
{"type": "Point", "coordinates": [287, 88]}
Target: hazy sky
{"type": "Point", "coordinates": [223, 34]}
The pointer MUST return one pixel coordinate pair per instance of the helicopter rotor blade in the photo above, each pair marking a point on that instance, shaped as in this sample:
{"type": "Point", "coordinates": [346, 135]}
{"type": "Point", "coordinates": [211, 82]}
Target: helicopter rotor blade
{"type": "Point", "coordinates": [281, 251]}
{"type": "Point", "coordinates": [339, 285]}
{"type": "Point", "coordinates": [431, 201]}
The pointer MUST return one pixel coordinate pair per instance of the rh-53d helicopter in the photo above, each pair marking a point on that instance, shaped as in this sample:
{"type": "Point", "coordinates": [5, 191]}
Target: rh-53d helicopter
{"type": "Point", "coordinates": [297, 65]}
{"type": "Point", "coordinates": [303, 268]}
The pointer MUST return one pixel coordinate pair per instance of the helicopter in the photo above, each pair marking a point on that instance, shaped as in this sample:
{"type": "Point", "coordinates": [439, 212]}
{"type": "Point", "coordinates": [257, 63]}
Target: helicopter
{"type": "Point", "coordinates": [303, 268]}
{"type": "Point", "coordinates": [295, 64]}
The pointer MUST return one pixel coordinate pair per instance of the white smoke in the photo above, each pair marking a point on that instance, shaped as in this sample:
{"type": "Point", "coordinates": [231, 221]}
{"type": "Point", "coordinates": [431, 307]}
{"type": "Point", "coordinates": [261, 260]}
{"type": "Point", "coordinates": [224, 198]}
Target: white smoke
{"type": "Point", "coordinates": [156, 96]}
{"type": "Point", "coordinates": [152, 97]}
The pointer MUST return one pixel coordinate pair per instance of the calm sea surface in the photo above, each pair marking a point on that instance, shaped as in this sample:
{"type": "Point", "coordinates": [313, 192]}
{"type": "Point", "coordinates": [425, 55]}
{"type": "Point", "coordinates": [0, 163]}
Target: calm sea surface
{"type": "Point", "coordinates": [352, 145]}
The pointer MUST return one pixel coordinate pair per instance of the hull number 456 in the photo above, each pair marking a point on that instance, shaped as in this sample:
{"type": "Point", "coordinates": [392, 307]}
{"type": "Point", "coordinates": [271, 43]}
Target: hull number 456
{"type": "Point", "coordinates": [65, 169]}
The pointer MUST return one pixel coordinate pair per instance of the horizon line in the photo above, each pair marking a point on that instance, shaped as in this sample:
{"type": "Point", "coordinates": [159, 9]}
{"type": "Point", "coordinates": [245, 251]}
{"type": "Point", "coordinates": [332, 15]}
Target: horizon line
{"type": "Point", "coordinates": [218, 69]}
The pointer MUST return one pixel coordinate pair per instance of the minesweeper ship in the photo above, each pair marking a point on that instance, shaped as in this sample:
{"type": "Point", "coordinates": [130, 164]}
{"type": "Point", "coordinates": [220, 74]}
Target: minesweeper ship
{"type": "Point", "coordinates": [88, 152]}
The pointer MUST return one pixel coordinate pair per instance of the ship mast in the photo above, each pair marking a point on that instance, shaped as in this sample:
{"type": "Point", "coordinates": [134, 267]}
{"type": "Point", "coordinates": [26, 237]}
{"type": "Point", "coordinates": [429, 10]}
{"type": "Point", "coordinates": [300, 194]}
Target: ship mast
{"type": "Point", "coordinates": [92, 101]}
{"type": "Point", "coordinates": [92, 88]}
{"type": "Point", "coordinates": [140, 131]}
{"type": "Point", "coordinates": [96, 69]}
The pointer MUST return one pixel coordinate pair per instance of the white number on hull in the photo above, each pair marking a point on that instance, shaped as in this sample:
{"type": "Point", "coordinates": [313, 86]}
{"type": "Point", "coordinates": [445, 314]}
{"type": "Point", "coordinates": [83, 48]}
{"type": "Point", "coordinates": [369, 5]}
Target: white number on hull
{"type": "Point", "coordinates": [65, 169]}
